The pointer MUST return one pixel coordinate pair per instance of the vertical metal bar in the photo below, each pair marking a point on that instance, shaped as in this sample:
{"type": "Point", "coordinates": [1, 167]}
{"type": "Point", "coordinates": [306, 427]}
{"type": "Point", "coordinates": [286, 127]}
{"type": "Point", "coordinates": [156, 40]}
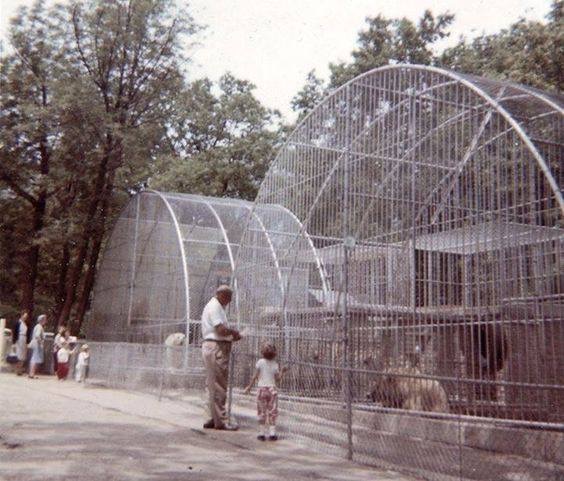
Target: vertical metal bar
{"type": "Point", "coordinates": [345, 162]}
{"type": "Point", "coordinates": [162, 370]}
{"type": "Point", "coordinates": [134, 262]}
{"type": "Point", "coordinates": [466, 293]}
{"type": "Point", "coordinates": [232, 359]}
{"type": "Point", "coordinates": [416, 328]}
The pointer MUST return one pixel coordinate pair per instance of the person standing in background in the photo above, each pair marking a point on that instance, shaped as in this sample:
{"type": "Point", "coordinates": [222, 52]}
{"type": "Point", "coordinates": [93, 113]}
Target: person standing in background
{"type": "Point", "coordinates": [57, 343]}
{"type": "Point", "coordinates": [37, 345]}
{"type": "Point", "coordinates": [81, 369]}
{"type": "Point", "coordinates": [20, 339]}
{"type": "Point", "coordinates": [63, 357]}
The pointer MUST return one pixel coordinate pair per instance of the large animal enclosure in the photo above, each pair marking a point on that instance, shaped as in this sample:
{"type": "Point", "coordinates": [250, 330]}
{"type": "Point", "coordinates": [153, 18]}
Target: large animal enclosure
{"type": "Point", "coordinates": [404, 253]}
{"type": "Point", "coordinates": [430, 250]}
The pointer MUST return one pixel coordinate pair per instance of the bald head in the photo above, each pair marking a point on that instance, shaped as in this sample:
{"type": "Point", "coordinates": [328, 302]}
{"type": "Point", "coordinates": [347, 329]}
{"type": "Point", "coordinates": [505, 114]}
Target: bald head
{"type": "Point", "coordinates": [224, 294]}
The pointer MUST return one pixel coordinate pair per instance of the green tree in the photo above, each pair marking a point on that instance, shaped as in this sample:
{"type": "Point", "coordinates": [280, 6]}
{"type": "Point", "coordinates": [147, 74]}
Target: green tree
{"type": "Point", "coordinates": [129, 54]}
{"type": "Point", "coordinates": [388, 41]}
{"type": "Point", "coordinates": [528, 52]}
{"type": "Point", "coordinates": [309, 96]}
{"type": "Point", "coordinates": [95, 106]}
{"type": "Point", "coordinates": [221, 143]}
{"type": "Point", "coordinates": [29, 132]}
{"type": "Point", "coordinates": [86, 96]}
{"type": "Point", "coordinates": [384, 41]}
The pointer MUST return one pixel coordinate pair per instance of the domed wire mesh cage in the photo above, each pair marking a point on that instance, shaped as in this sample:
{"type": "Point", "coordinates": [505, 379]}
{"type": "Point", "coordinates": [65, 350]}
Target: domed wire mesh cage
{"type": "Point", "coordinates": [425, 273]}
{"type": "Point", "coordinates": [166, 256]}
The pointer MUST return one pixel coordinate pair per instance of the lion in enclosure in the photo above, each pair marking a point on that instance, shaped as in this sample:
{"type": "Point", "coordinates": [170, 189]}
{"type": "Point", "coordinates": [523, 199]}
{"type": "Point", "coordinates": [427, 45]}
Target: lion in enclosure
{"type": "Point", "coordinates": [402, 388]}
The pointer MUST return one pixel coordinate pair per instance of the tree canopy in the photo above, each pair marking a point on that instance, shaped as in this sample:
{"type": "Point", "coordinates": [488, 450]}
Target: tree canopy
{"type": "Point", "coordinates": [97, 104]}
{"type": "Point", "coordinates": [221, 141]}
{"type": "Point", "coordinates": [528, 52]}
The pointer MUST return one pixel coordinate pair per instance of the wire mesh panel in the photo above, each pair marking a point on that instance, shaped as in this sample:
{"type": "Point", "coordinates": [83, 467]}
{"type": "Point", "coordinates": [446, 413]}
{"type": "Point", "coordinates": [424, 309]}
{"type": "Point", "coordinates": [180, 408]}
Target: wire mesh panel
{"type": "Point", "coordinates": [140, 294]}
{"type": "Point", "coordinates": [416, 293]}
{"type": "Point", "coordinates": [166, 256]}
{"type": "Point", "coordinates": [153, 368]}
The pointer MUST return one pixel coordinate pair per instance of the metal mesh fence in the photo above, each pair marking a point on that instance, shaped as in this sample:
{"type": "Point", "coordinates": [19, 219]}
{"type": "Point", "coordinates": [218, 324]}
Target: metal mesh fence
{"type": "Point", "coordinates": [165, 258]}
{"type": "Point", "coordinates": [420, 307]}
{"type": "Point", "coordinates": [405, 256]}
{"type": "Point", "coordinates": [152, 368]}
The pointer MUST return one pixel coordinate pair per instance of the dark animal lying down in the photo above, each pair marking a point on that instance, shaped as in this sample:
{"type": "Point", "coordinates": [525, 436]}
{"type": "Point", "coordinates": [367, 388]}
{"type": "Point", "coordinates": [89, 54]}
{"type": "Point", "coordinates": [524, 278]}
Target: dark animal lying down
{"type": "Point", "coordinates": [396, 388]}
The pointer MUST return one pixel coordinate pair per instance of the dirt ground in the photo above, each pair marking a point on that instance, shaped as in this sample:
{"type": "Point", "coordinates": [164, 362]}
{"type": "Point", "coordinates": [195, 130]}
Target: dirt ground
{"type": "Point", "coordinates": [52, 430]}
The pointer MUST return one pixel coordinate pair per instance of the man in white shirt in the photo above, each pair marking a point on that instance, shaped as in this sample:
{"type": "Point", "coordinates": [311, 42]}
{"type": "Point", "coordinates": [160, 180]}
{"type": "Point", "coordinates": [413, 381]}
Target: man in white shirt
{"type": "Point", "coordinates": [216, 347]}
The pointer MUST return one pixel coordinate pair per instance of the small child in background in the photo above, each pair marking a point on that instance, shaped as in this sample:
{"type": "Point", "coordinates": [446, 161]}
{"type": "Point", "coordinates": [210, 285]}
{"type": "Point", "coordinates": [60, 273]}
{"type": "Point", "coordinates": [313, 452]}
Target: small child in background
{"type": "Point", "coordinates": [63, 356]}
{"type": "Point", "coordinates": [81, 368]}
{"type": "Point", "coordinates": [59, 337]}
{"type": "Point", "coordinates": [269, 375]}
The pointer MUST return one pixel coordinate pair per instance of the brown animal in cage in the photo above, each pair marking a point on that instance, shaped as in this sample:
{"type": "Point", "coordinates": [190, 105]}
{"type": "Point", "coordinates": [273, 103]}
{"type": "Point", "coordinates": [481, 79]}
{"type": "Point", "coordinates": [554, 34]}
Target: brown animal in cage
{"type": "Point", "coordinates": [402, 388]}
{"type": "Point", "coordinates": [485, 348]}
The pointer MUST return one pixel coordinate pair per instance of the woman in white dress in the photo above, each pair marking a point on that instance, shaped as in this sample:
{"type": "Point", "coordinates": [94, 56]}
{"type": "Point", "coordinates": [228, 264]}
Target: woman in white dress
{"type": "Point", "coordinates": [20, 340]}
{"type": "Point", "coordinates": [81, 369]}
{"type": "Point", "coordinates": [37, 345]}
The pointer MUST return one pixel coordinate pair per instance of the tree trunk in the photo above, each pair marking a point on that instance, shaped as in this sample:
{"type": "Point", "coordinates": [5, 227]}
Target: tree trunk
{"type": "Point", "coordinates": [29, 277]}
{"type": "Point", "coordinates": [84, 242]}
{"type": "Point", "coordinates": [33, 253]}
{"type": "Point", "coordinates": [63, 271]}
{"type": "Point", "coordinates": [83, 302]}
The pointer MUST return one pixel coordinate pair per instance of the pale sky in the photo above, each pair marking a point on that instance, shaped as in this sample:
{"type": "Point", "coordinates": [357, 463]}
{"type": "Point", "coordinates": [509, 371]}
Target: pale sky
{"type": "Point", "coordinates": [275, 43]}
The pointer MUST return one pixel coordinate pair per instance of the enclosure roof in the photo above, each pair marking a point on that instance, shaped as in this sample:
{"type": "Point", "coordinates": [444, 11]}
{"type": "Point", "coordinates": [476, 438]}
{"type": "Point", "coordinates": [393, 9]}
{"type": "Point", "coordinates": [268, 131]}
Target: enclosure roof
{"type": "Point", "coordinates": [167, 254]}
{"type": "Point", "coordinates": [532, 113]}
{"type": "Point", "coordinates": [165, 257]}
{"type": "Point", "coordinates": [472, 239]}
{"type": "Point", "coordinates": [413, 155]}
{"type": "Point", "coordinates": [487, 237]}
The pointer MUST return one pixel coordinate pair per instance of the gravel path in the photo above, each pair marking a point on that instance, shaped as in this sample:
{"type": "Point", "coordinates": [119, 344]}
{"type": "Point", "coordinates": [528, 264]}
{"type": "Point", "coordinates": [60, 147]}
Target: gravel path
{"type": "Point", "coordinates": [51, 430]}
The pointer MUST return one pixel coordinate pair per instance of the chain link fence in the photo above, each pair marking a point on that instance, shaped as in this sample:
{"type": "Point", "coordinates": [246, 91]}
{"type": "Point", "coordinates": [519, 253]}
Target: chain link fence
{"type": "Point", "coordinates": [417, 296]}
{"type": "Point", "coordinates": [404, 254]}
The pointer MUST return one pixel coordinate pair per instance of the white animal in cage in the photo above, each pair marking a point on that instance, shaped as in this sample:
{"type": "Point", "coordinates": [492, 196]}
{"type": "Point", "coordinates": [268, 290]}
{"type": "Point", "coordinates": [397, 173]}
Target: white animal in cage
{"type": "Point", "coordinates": [174, 351]}
{"type": "Point", "coordinates": [175, 339]}
{"type": "Point", "coordinates": [404, 388]}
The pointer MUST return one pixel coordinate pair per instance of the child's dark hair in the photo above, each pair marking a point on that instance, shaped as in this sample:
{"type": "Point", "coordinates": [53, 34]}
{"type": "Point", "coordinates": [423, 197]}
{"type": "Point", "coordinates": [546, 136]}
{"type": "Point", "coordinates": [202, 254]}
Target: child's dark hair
{"type": "Point", "coordinates": [268, 351]}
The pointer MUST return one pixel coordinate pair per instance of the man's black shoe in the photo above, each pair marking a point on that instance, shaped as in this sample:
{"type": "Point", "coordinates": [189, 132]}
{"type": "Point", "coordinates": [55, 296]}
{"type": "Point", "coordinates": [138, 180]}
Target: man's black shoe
{"type": "Point", "coordinates": [261, 437]}
{"type": "Point", "coordinates": [228, 427]}
{"type": "Point", "coordinates": [209, 424]}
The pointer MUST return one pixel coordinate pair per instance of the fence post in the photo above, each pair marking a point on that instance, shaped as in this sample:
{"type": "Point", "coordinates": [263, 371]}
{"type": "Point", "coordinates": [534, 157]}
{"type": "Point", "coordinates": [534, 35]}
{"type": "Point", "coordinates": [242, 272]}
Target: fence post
{"type": "Point", "coordinates": [163, 368]}
{"type": "Point", "coordinates": [230, 381]}
{"type": "Point", "coordinates": [134, 263]}
{"type": "Point", "coordinates": [348, 243]}
{"type": "Point", "coordinates": [3, 343]}
{"type": "Point", "coordinates": [347, 365]}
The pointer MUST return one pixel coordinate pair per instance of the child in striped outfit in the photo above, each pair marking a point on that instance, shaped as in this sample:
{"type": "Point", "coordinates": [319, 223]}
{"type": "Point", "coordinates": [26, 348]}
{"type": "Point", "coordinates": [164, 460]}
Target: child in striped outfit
{"type": "Point", "coordinates": [268, 375]}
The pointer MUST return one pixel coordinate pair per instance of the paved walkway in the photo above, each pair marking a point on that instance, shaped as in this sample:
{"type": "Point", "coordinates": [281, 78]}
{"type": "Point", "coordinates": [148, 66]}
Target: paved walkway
{"type": "Point", "coordinates": [51, 430]}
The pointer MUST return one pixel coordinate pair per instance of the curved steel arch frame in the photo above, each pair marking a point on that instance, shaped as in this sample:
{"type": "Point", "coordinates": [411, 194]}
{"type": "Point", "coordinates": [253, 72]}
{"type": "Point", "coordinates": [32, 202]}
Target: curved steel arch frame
{"type": "Point", "coordinates": [226, 217]}
{"type": "Point", "coordinates": [459, 220]}
{"type": "Point", "coordinates": [494, 102]}
{"type": "Point", "coordinates": [213, 203]}
{"type": "Point", "coordinates": [467, 83]}
{"type": "Point", "coordinates": [124, 251]}
{"type": "Point", "coordinates": [180, 241]}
